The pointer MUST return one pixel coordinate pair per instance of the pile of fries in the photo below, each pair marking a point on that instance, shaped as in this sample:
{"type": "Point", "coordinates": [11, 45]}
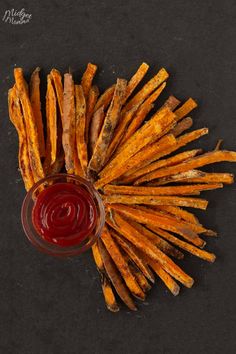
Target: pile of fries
{"type": "Point", "coordinates": [111, 139]}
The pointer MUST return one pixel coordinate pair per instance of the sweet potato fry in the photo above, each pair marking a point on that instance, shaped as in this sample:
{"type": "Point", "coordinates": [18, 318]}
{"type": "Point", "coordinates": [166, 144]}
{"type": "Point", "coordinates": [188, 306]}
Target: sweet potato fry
{"type": "Point", "coordinates": [30, 126]}
{"type": "Point", "coordinates": [80, 127]}
{"type": "Point", "coordinates": [142, 281]}
{"type": "Point", "coordinates": [121, 264]}
{"type": "Point", "coordinates": [172, 190]}
{"type": "Point", "coordinates": [179, 177]}
{"type": "Point", "coordinates": [92, 99]}
{"type": "Point", "coordinates": [87, 78]}
{"type": "Point", "coordinates": [206, 177]}
{"type": "Point", "coordinates": [156, 200]}
{"type": "Point", "coordinates": [105, 99]}
{"type": "Point", "coordinates": [51, 116]}
{"type": "Point", "coordinates": [210, 257]}
{"type": "Point", "coordinates": [148, 88]}
{"type": "Point", "coordinates": [179, 213]}
{"type": "Point", "coordinates": [183, 125]}
{"type": "Point", "coordinates": [57, 81]}
{"type": "Point", "coordinates": [195, 162]}
{"type": "Point", "coordinates": [135, 80]}
{"type": "Point", "coordinates": [131, 251]}
{"type": "Point", "coordinates": [150, 217]}
{"type": "Point", "coordinates": [116, 278]}
{"type": "Point", "coordinates": [151, 251]}
{"type": "Point", "coordinates": [77, 165]}
{"type": "Point", "coordinates": [172, 102]}
{"type": "Point", "coordinates": [109, 125]}
{"type": "Point", "coordinates": [106, 286]}
{"type": "Point", "coordinates": [36, 107]}
{"type": "Point", "coordinates": [16, 117]}
{"type": "Point", "coordinates": [58, 164]}
{"type": "Point", "coordinates": [68, 122]}
{"type": "Point", "coordinates": [95, 127]}
{"type": "Point", "coordinates": [185, 109]}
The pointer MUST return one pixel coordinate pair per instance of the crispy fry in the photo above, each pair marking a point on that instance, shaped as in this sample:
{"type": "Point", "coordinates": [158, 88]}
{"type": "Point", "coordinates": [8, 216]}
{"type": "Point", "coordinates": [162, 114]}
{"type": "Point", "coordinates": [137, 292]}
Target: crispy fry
{"type": "Point", "coordinates": [172, 102]}
{"type": "Point", "coordinates": [142, 281]}
{"type": "Point", "coordinates": [185, 109]}
{"type": "Point", "coordinates": [80, 124]}
{"type": "Point", "coordinates": [36, 107]}
{"type": "Point", "coordinates": [98, 159]}
{"type": "Point", "coordinates": [210, 257]}
{"type": "Point", "coordinates": [58, 164]}
{"type": "Point", "coordinates": [150, 217]}
{"type": "Point", "coordinates": [17, 120]}
{"type": "Point", "coordinates": [87, 78]}
{"type": "Point", "coordinates": [95, 127]}
{"type": "Point", "coordinates": [116, 278]}
{"type": "Point", "coordinates": [131, 251]}
{"type": "Point", "coordinates": [148, 88]}
{"type": "Point", "coordinates": [171, 161]}
{"type": "Point", "coordinates": [51, 116]}
{"type": "Point", "coordinates": [105, 99]}
{"type": "Point", "coordinates": [177, 178]}
{"type": "Point", "coordinates": [156, 200]}
{"type": "Point", "coordinates": [183, 125]}
{"type": "Point", "coordinates": [121, 264]}
{"type": "Point", "coordinates": [151, 251]}
{"type": "Point", "coordinates": [195, 162]}
{"type": "Point", "coordinates": [57, 81]}
{"type": "Point", "coordinates": [179, 213]}
{"type": "Point", "coordinates": [92, 99]}
{"type": "Point", "coordinates": [172, 190]}
{"type": "Point", "coordinates": [30, 126]}
{"type": "Point", "coordinates": [135, 80]}
{"type": "Point", "coordinates": [77, 165]}
{"type": "Point", "coordinates": [68, 122]}
{"type": "Point", "coordinates": [206, 177]}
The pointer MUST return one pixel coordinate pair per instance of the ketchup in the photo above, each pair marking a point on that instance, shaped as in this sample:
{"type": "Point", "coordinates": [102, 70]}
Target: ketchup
{"type": "Point", "coordinates": [64, 214]}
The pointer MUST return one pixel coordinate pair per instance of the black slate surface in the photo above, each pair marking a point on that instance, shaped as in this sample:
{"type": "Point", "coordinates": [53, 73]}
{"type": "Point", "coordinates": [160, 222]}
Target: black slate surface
{"type": "Point", "coordinates": [50, 306]}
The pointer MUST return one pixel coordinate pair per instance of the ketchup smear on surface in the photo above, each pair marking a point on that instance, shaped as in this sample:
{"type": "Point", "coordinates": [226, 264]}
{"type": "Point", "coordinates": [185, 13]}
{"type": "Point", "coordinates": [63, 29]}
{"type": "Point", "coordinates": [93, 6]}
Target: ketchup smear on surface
{"type": "Point", "coordinates": [64, 214]}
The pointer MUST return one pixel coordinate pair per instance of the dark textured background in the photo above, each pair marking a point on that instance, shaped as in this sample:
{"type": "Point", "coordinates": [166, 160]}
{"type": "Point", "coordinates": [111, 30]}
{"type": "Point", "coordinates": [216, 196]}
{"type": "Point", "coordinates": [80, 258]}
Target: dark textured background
{"type": "Point", "coordinates": [49, 306]}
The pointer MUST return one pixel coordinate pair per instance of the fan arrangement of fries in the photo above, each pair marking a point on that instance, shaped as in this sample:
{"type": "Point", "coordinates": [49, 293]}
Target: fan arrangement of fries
{"type": "Point", "coordinates": [108, 139]}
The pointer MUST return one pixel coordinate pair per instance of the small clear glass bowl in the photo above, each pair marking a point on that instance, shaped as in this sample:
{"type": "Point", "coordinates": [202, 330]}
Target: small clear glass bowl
{"type": "Point", "coordinates": [36, 239]}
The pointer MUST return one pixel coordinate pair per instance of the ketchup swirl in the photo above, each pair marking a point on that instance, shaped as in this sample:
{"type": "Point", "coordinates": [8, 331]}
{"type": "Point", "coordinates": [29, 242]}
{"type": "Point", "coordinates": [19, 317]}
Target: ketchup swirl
{"type": "Point", "coordinates": [64, 214]}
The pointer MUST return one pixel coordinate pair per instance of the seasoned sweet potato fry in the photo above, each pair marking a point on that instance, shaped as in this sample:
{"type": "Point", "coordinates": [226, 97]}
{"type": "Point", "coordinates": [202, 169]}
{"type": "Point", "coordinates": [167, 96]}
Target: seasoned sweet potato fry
{"type": "Point", "coordinates": [77, 165]}
{"type": "Point", "coordinates": [68, 122]}
{"type": "Point", "coordinates": [179, 213]}
{"type": "Point", "coordinates": [87, 78]}
{"type": "Point", "coordinates": [80, 127]}
{"type": "Point", "coordinates": [95, 127]}
{"type": "Point", "coordinates": [58, 164]}
{"type": "Point", "coordinates": [151, 250]}
{"type": "Point", "coordinates": [16, 117]}
{"type": "Point", "coordinates": [210, 257]}
{"type": "Point", "coordinates": [172, 102]}
{"type": "Point", "coordinates": [135, 80]}
{"type": "Point", "coordinates": [213, 177]}
{"type": "Point", "coordinates": [36, 107]}
{"type": "Point", "coordinates": [185, 109]}
{"type": "Point", "coordinates": [121, 264]}
{"type": "Point", "coordinates": [183, 125]}
{"type": "Point", "coordinates": [111, 119]}
{"type": "Point", "coordinates": [116, 278]}
{"type": "Point", "coordinates": [105, 99]}
{"type": "Point", "coordinates": [179, 177]}
{"type": "Point", "coordinates": [148, 88]}
{"type": "Point", "coordinates": [92, 99]}
{"type": "Point", "coordinates": [142, 281]}
{"type": "Point", "coordinates": [51, 116]}
{"type": "Point", "coordinates": [57, 81]}
{"type": "Point", "coordinates": [30, 126]}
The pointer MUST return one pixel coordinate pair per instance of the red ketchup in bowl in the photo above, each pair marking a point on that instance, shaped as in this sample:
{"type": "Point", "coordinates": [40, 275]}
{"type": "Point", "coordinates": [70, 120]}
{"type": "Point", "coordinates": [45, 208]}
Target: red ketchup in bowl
{"type": "Point", "coordinates": [64, 214]}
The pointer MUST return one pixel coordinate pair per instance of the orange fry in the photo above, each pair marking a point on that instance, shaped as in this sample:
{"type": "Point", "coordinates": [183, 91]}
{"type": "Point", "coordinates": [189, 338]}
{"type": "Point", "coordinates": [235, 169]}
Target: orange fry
{"type": "Point", "coordinates": [92, 99]}
{"type": "Point", "coordinates": [51, 116]}
{"type": "Point", "coordinates": [87, 78]}
{"type": "Point", "coordinates": [80, 124]}
{"type": "Point", "coordinates": [105, 99]}
{"type": "Point", "coordinates": [179, 213]}
{"type": "Point", "coordinates": [57, 81]}
{"type": "Point", "coordinates": [185, 109]}
{"type": "Point", "coordinates": [95, 127]}
{"type": "Point", "coordinates": [213, 177]}
{"type": "Point", "coordinates": [135, 80]}
{"type": "Point", "coordinates": [183, 125]}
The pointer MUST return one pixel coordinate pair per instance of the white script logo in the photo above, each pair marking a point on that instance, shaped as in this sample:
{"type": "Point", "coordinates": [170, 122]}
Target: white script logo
{"type": "Point", "coordinates": [16, 17]}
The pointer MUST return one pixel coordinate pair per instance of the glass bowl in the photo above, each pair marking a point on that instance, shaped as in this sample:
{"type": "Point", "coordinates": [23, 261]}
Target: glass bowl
{"type": "Point", "coordinates": [36, 238]}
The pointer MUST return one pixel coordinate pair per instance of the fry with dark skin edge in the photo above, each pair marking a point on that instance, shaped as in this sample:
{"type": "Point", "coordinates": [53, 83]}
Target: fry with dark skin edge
{"type": "Point", "coordinates": [148, 88]}
{"type": "Point", "coordinates": [95, 127]}
{"type": "Point", "coordinates": [51, 116]}
{"type": "Point", "coordinates": [142, 281]}
{"type": "Point", "coordinates": [106, 286]}
{"type": "Point", "coordinates": [156, 200]}
{"type": "Point", "coordinates": [77, 165]}
{"type": "Point", "coordinates": [172, 102]}
{"type": "Point", "coordinates": [185, 109]}
{"type": "Point", "coordinates": [151, 250]}
{"type": "Point", "coordinates": [211, 177]}
{"type": "Point", "coordinates": [58, 164]}
{"type": "Point", "coordinates": [80, 127]}
{"type": "Point", "coordinates": [17, 120]}
{"type": "Point", "coordinates": [207, 256]}
{"type": "Point", "coordinates": [135, 80]}
{"type": "Point", "coordinates": [30, 126]}
{"type": "Point", "coordinates": [105, 99]}
{"type": "Point", "coordinates": [149, 217]}
{"type": "Point", "coordinates": [111, 119]}
{"type": "Point", "coordinates": [57, 81]}
{"type": "Point", "coordinates": [115, 277]}
{"type": "Point", "coordinates": [36, 107]}
{"type": "Point", "coordinates": [121, 264]}
{"type": "Point", "coordinates": [87, 78]}
{"type": "Point", "coordinates": [182, 126]}
{"type": "Point", "coordinates": [68, 122]}
{"type": "Point", "coordinates": [91, 101]}
{"type": "Point", "coordinates": [131, 251]}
